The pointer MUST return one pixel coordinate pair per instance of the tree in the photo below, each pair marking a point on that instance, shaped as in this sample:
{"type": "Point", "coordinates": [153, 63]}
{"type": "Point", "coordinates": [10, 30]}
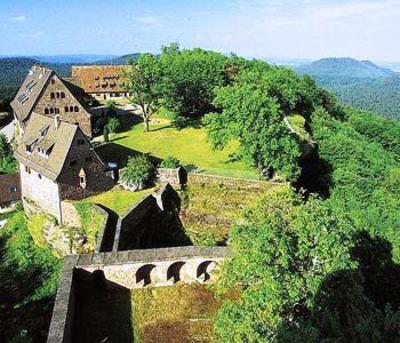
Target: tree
{"type": "Point", "coordinates": [7, 162]}
{"type": "Point", "coordinates": [138, 173]}
{"type": "Point", "coordinates": [111, 106]}
{"type": "Point", "coordinates": [143, 84]}
{"type": "Point", "coordinates": [189, 78]}
{"type": "Point", "coordinates": [112, 125]}
{"type": "Point", "coordinates": [256, 120]}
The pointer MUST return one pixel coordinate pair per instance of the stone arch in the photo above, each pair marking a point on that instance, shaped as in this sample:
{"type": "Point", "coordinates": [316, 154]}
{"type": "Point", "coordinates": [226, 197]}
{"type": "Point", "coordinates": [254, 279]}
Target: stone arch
{"type": "Point", "coordinates": [46, 111]}
{"type": "Point", "coordinates": [66, 109]}
{"type": "Point", "coordinates": [204, 269]}
{"type": "Point", "coordinates": [143, 274]}
{"type": "Point", "coordinates": [174, 271]}
{"type": "Point", "coordinates": [62, 95]}
{"type": "Point", "coordinates": [71, 108]}
{"type": "Point", "coordinates": [76, 109]}
{"type": "Point", "coordinates": [52, 95]}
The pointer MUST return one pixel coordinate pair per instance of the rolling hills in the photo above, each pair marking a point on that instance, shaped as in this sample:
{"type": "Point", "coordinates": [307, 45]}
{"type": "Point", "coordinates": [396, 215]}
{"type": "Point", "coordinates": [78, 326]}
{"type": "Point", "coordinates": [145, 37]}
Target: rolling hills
{"type": "Point", "coordinates": [361, 84]}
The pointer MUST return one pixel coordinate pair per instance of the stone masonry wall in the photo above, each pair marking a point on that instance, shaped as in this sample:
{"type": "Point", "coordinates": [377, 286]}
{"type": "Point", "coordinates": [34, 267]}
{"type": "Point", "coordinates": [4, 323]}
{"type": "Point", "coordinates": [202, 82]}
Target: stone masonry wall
{"type": "Point", "coordinates": [82, 117]}
{"type": "Point", "coordinates": [84, 156]}
{"type": "Point", "coordinates": [130, 269]}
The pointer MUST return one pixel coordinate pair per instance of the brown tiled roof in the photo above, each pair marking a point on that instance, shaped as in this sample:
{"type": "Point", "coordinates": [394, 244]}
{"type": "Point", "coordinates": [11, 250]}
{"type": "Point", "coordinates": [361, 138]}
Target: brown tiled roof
{"type": "Point", "coordinates": [58, 140]}
{"type": "Point", "coordinates": [99, 78]}
{"type": "Point", "coordinates": [30, 91]}
{"type": "Point", "coordinates": [7, 182]}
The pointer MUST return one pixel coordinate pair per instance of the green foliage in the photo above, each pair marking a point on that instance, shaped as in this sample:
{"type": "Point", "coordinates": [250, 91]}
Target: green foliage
{"type": "Point", "coordinates": [255, 118]}
{"type": "Point", "coordinates": [170, 162]}
{"type": "Point", "coordinates": [143, 82]}
{"type": "Point", "coordinates": [138, 173]}
{"type": "Point", "coordinates": [92, 221]}
{"type": "Point", "coordinates": [189, 78]}
{"type": "Point", "coordinates": [29, 276]}
{"type": "Point", "coordinates": [359, 84]}
{"type": "Point", "coordinates": [7, 162]}
{"type": "Point", "coordinates": [112, 125]}
{"type": "Point", "coordinates": [111, 106]}
{"type": "Point", "coordinates": [379, 130]}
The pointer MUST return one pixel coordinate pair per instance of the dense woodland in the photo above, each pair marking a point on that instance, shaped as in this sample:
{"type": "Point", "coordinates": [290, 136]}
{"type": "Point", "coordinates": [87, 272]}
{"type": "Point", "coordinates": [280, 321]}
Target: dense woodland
{"type": "Point", "coordinates": [315, 261]}
{"type": "Point", "coordinates": [360, 84]}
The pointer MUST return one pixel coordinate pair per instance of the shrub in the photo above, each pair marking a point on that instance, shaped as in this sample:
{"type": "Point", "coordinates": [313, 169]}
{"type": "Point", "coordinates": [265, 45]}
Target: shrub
{"type": "Point", "coordinates": [170, 162]}
{"type": "Point", "coordinates": [180, 122]}
{"type": "Point", "coordinates": [113, 125]}
{"type": "Point", "coordinates": [138, 173]}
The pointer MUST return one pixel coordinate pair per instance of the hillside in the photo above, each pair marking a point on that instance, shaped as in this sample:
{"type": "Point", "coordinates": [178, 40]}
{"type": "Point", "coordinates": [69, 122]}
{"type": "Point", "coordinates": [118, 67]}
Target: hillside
{"type": "Point", "coordinates": [13, 70]}
{"type": "Point", "coordinates": [360, 84]}
{"type": "Point", "coordinates": [118, 60]}
{"type": "Point", "coordinates": [75, 59]}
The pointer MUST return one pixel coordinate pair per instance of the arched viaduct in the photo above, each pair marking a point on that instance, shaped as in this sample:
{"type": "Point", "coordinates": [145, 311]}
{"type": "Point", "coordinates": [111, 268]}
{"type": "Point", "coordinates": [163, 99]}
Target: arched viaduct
{"type": "Point", "coordinates": [128, 270]}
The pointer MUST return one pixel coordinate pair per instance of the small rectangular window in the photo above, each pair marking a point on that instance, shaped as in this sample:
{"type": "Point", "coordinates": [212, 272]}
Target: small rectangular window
{"type": "Point", "coordinates": [13, 189]}
{"type": "Point", "coordinates": [27, 169]}
{"type": "Point", "coordinates": [39, 176]}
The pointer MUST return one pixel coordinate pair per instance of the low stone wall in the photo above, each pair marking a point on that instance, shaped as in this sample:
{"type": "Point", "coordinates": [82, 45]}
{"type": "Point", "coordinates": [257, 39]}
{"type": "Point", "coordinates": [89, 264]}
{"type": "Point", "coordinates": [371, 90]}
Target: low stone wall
{"type": "Point", "coordinates": [225, 180]}
{"type": "Point", "coordinates": [130, 269]}
{"type": "Point", "coordinates": [175, 177]}
{"type": "Point", "coordinates": [102, 237]}
{"type": "Point", "coordinates": [64, 308]}
{"type": "Point", "coordinates": [152, 220]}
{"type": "Point", "coordinates": [127, 224]}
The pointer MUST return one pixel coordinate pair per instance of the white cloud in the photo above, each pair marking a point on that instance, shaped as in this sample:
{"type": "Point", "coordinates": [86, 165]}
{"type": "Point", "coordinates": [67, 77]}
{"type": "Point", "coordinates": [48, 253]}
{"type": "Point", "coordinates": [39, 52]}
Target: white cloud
{"type": "Point", "coordinates": [32, 35]}
{"type": "Point", "coordinates": [18, 18]}
{"type": "Point", "coordinates": [227, 37]}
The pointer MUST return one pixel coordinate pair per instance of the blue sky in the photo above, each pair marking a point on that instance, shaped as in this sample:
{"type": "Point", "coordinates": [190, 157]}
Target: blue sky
{"type": "Point", "coordinates": [365, 29]}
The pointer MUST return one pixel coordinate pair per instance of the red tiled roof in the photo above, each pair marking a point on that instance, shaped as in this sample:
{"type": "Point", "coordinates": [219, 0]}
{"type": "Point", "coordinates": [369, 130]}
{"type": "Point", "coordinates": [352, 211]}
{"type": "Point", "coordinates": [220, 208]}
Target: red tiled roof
{"type": "Point", "coordinates": [8, 183]}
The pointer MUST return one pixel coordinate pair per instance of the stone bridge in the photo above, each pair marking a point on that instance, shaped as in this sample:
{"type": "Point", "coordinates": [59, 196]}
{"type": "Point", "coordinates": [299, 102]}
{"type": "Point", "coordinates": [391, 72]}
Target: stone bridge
{"type": "Point", "coordinates": [154, 267]}
{"type": "Point", "coordinates": [100, 272]}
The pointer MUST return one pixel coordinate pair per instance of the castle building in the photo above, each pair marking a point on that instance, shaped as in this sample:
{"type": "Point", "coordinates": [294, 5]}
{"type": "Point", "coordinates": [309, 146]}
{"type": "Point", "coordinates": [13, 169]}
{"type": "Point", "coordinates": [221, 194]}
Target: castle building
{"type": "Point", "coordinates": [43, 92]}
{"type": "Point", "coordinates": [101, 81]}
{"type": "Point", "coordinates": [56, 159]}
{"type": "Point", "coordinates": [57, 162]}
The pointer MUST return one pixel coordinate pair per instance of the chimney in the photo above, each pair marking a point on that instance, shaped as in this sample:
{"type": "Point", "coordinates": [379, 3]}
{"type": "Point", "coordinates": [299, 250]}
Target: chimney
{"type": "Point", "coordinates": [57, 121]}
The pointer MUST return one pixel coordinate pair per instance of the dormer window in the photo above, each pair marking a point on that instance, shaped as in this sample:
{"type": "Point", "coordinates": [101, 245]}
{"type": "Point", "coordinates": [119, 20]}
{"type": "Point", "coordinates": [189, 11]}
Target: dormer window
{"type": "Point", "coordinates": [82, 178]}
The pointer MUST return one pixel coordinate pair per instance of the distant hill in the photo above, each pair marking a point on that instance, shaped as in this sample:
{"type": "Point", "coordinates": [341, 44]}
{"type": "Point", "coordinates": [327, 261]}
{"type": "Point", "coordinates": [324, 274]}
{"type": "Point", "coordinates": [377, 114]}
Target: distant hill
{"type": "Point", "coordinates": [361, 84]}
{"type": "Point", "coordinates": [73, 59]}
{"type": "Point", "coordinates": [118, 60]}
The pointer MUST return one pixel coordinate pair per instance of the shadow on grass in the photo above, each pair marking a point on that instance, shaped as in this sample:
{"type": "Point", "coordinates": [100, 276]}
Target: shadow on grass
{"type": "Point", "coordinates": [120, 154]}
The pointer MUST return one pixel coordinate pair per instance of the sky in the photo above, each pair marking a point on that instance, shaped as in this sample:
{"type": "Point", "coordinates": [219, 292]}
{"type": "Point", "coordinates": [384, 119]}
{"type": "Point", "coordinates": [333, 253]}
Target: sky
{"type": "Point", "coordinates": [301, 29]}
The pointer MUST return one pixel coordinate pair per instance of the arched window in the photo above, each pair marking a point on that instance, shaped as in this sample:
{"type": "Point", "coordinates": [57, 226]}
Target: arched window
{"type": "Point", "coordinates": [57, 95]}
{"type": "Point", "coordinates": [66, 109]}
{"type": "Point", "coordinates": [62, 94]}
{"type": "Point", "coordinates": [71, 108]}
{"type": "Point", "coordinates": [76, 109]}
{"type": "Point", "coordinates": [52, 95]}
{"type": "Point", "coordinates": [57, 111]}
{"type": "Point", "coordinates": [46, 111]}
{"type": "Point", "coordinates": [51, 110]}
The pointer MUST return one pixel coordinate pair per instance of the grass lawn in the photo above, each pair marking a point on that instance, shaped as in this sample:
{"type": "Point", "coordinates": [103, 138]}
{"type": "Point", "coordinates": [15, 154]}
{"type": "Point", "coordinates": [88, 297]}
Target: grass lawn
{"type": "Point", "coordinates": [181, 313]}
{"type": "Point", "coordinates": [119, 200]}
{"type": "Point", "coordinates": [189, 145]}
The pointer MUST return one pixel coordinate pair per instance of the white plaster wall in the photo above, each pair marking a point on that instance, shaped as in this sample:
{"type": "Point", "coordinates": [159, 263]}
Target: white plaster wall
{"type": "Point", "coordinates": [44, 192]}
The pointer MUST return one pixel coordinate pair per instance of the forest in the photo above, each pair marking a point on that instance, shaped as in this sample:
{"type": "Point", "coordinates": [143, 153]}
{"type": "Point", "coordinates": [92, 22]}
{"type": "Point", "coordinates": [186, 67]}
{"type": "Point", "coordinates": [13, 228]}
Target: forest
{"type": "Point", "coordinates": [360, 84]}
{"type": "Point", "coordinates": [317, 260]}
